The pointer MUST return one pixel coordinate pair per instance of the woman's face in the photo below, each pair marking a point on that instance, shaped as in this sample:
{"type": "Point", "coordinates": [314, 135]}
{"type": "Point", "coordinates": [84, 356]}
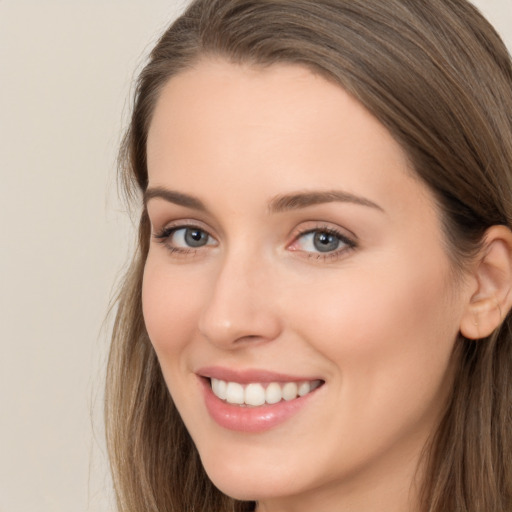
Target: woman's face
{"type": "Point", "coordinates": [298, 264]}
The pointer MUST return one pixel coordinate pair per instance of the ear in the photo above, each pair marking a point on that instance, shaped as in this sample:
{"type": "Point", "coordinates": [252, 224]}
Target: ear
{"type": "Point", "coordinates": [492, 297]}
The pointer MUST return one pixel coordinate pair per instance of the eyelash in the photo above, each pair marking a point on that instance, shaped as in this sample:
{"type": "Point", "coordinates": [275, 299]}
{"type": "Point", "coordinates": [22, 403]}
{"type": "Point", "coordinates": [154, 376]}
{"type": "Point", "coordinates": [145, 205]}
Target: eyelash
{"type": "Point", "coordinates": [348, 244]}
{"type": "Point", "coordinates": [165, 234]}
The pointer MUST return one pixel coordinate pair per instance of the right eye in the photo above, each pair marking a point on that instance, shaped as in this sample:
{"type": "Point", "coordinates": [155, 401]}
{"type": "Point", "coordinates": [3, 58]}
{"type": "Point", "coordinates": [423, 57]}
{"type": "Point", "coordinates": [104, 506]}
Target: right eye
{"type": "Point", "coordinates": [185, 238]}
{"type": "Point", "coordinates": [190, 237]}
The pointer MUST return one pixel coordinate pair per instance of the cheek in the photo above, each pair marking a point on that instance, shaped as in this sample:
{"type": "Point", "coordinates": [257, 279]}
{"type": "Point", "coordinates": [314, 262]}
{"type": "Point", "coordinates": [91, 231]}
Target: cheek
{"type": "Point", "coordinates": [365, 311]}
{"type": "Point", "coordinates": [169, 302]}
{"type": "Point", "coordinates": [389, 336]}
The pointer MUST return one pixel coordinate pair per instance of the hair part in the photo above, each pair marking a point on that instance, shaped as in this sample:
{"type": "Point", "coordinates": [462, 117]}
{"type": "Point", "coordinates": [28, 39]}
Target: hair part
{"type": "Point", "coordinates": [438, 77]}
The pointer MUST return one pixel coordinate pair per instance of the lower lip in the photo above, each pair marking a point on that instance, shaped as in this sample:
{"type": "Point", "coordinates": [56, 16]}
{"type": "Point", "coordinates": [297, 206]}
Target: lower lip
{"type": "Point", "coordinates": [251, 419]}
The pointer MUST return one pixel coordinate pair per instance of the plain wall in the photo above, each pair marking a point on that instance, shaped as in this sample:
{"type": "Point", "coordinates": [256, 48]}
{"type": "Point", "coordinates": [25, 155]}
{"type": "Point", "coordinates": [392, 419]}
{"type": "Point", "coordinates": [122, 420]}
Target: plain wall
{"type": "Point", "coordinates": [66, 69]}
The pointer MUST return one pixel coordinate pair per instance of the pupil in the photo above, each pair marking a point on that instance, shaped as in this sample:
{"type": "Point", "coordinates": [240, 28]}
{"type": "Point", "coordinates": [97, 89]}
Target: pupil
{"type": "Point", "coordinates": [325, 242]}
{"type": "Point", "coordinates": [195, 237]}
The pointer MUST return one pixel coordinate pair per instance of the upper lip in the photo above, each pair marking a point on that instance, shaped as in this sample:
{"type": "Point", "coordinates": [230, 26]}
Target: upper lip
{"type": "Point", "coordinates": [246, 376]}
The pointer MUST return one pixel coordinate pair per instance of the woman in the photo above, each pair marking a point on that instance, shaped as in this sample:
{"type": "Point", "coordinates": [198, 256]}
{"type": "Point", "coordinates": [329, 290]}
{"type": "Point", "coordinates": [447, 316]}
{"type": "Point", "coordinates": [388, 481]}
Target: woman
{"type": "Point", "coordinates": [317, 314]}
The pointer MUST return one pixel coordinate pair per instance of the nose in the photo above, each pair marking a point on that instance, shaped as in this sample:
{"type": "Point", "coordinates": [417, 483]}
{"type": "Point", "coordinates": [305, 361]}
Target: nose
{"type": "Point", "coordinates": [242, 305]}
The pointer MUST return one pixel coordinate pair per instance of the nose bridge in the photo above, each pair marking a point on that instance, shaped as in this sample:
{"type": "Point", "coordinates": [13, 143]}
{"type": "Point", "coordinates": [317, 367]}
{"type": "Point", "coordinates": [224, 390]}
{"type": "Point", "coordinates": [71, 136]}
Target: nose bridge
{"type": "Point", "coordinates": [240, 306]}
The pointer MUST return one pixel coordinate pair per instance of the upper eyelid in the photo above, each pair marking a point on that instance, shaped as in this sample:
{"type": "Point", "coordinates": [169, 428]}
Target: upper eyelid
{"type": "Point", "coordinates": [182, 223]}
{"type": "Point", "coordinates": [326, 229]}
{"type": "Point", "coordinates": [169, 230]}
{"type": "Point", "coordinates": [324, 226]}
{"type": "Point", "coordinates": [347, 240]}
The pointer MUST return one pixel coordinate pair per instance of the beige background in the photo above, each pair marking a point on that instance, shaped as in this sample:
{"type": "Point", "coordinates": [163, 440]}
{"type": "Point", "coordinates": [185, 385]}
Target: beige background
{"type": "Point", "coordinates": [66, 69]}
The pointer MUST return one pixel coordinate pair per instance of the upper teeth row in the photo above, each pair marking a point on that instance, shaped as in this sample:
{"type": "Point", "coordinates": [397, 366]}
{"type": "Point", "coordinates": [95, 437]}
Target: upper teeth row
{"type": "Point", "coordinates": [256, 394]}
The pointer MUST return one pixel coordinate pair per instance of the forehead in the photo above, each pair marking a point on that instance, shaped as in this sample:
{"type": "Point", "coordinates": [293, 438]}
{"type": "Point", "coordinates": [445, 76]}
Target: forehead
{"type": "Point", "coordinates": [255, 123]}
{"type": "Point", "coordinates": [280, 95]}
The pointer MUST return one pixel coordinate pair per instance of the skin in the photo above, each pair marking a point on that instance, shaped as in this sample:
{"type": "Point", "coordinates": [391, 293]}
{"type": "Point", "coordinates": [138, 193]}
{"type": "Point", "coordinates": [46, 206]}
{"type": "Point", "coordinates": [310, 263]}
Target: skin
{"type": "Point", "coordinates": [377, 322]}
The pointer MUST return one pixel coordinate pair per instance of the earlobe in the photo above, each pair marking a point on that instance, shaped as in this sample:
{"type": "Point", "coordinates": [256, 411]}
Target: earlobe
{"type": "Point", "coordinates": [492, 300]}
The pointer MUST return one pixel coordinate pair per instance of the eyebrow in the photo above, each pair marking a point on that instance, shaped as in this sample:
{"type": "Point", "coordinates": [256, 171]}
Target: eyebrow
{"type": "Point", "coordinates": [300, 200]}
{"type": "Point", "coordinates": [174, 197]}
{"type": "Point", "coordinates": [281, 203]}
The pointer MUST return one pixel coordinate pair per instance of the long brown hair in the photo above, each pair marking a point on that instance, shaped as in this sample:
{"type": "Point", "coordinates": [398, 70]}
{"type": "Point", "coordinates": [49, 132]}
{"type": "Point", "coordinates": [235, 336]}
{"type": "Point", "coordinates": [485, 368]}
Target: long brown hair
{"type": "Point", "coordinates": [437, 75]}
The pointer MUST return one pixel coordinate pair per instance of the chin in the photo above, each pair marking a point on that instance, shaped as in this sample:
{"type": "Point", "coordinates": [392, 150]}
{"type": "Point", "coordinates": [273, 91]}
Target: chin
{"type": "Point", "coordinates": [244, 481]}
{"type": "Point", "coordinates": [248, 489]}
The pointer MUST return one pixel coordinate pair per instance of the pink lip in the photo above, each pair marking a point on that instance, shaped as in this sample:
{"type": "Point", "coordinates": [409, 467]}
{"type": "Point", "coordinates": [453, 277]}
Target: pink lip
{"type": "Point", "coordinates": [244, 418]}
{"type": "Point", "coordinates": [249, 375]}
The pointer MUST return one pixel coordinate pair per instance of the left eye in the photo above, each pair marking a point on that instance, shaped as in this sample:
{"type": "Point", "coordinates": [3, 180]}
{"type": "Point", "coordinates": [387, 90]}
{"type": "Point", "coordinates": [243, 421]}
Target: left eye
{"type": "Point", "coordinates": [321, 241]}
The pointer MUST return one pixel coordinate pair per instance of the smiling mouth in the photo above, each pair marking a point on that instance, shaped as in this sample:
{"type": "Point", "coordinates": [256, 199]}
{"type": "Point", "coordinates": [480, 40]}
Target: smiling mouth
{"type": "Point", "coordinates": [258, 394]}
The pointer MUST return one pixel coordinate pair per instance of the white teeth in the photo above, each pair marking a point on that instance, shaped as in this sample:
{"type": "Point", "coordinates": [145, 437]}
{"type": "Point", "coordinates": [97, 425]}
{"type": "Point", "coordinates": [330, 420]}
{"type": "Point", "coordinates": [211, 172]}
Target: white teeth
{"type": "Point", "coordinates": [256, 394]}
{"type": "Point", "coordinates": [304, 388]}
{"type": "Point", "coordinates": [273, 393]}
{"type": "Point", "coordinates": [222, 390]}
{"type": "Point", "coordinates": [219, 388]}
{"type": "Point", "coordinates": [215, 386]}
{"type": "Point", "coordinates": [235, 393]}
{"type": "Point", "coordinates": [290, 391]}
